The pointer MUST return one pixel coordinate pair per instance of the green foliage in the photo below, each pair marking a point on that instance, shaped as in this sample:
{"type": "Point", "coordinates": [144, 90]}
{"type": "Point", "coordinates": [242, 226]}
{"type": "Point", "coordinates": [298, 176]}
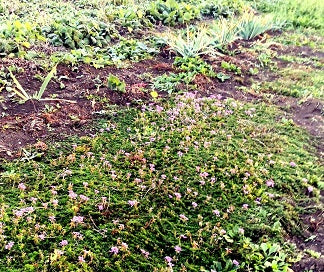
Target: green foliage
{"type": "Point", "coordinates": [127, 185]}
{"type": "Point", "coordinates": [130, 49]}
{"type": "Point", "coordinates": [131, 18]}
{"type": "Point", "coordinates": [170, 82]}
{"type": "Point", "coordinates": [76, 33]}
{"type": "Point", "coordinates": [100, 57]}
{"type": "Point", "coordinates": [115, 84]}
{"type": "Point", "coordinates": [196, 65]}
{"type": "Point", "coordinates": [302, 83]}
{"type": "Point", "coordinates": [297, 13]}
{"type": "Point", "coordinates": [222, 77]}
{"type": "Point", "coordinates": [170, 12]}
{"type": "Point", "coordinates": [251, 25]}
{"type": "Point", "coordinates": [17, 35]}
{"type": "Point", "coordinates": [191, 44]}
{"type": "Point", "coordinates": [231, 67]}
{"type": "Point", "coordinates": [224, 32]}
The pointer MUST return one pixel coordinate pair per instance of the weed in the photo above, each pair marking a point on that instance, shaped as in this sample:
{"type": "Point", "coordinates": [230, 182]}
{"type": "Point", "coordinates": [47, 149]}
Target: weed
{"type": "Point", "coordinates": [231, 67]}
{"type": "Point", "coordinates": [115, 84]}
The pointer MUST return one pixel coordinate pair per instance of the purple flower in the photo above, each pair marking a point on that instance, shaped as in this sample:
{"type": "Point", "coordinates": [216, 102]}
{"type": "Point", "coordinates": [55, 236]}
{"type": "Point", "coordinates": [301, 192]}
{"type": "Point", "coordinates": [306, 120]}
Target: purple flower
{"type": "Point", "coordinates": [124, 246]}
{"type": "Point", "coordinates": [270, 183]}
{"type": "Point", "coordinates": [84, 198]}
{"type": "Point", "coordinates": [194, 204]}
{"type": "Point", "coordinates": [292, 164]}
{"type": "Point", "coordinates": [63, 243]}
{"type": "Point", "coordinates": [236, 263]}
{"type": "Point", "coordinates": [245, 206]}
{"type": "Point", "coordinates": [81, 259]}
{"type": "Point", "coordinates": [159, 109]}
{"type": "Point", "coordinates": [216, 212]}
{"type": "Point", "coordinates": [9, 245]}
{"type": "Point", "coordinates": [41, 236]}
{"type": "Point", "coordinates": [114, 250]}
{"type": "Point", "coordinates": [77, 235]}
{"type": "Point", "coordinates": [177, 249]}
{"type": "Point", "coordinates": [22, 186]}
{"type": "Point", "coordinates": [168, 259]}
{"type": "Point", "coordinates": [72, 195]}
{"type": "Point", "coordinates": [77, 219]}
{"type": "Point", "coordinates": [183, 217]}
{"type": "Point", "coordinates": [258, 200]}
{"type": "Point", "coordinates": [178, 196]}
{"type": "Point", "coordinates": [145, 253]}
{"type": "Point", "coordinates": [132, 203]}
{"type": "Point", "coordinates": [310, 189]}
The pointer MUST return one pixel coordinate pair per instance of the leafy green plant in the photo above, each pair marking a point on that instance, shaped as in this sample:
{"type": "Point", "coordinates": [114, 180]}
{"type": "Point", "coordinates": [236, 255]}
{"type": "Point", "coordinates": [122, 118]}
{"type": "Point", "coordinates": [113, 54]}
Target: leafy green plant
{"type": "Point", "coordinates": [222, 77]}
{"type": "Point", "coordinates": [231, 67]}
{"type": "Point", "coordinates": [169, 83]}
{"type": "Point", "coordinates": [23, 94]}
{"type": "Point", "coordinates": [191, 44]}
{"type": "Point", "coordinates": [251, 25]}
{"type": "Point", "coordinates": [131, 18]}
{"type": "Point", "coordinates": [78, 33]}
{"type": "Point", "coordinates": [297, 13]}
{"type": "Point", "coordinates": [224, 32]}
{"type": "Point", "coordinates": [170, 12]}
{"type": "Point", "coordinates": [115, 84]}
{"type": "Point", "coordinates": [17, 35]}
{"type": "Point", "coordinates": [269, 257]}
{"type": "Point", "coordinates": [130, 49]}
{"type": "Point", "coordinates": [196, 65]}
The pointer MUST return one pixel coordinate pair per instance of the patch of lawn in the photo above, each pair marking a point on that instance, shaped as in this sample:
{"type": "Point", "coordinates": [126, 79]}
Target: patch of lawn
{"type": "Point", "coordinates": [298, 82]}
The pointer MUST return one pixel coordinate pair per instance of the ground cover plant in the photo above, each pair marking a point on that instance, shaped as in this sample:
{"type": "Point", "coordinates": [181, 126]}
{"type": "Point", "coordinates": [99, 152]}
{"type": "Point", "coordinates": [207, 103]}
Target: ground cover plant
{"type": "Point", "coordinates": [161, 135]}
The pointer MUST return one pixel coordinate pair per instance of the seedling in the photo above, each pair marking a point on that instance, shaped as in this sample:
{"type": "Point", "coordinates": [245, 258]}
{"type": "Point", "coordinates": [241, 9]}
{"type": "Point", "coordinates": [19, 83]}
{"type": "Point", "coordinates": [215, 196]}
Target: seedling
{"type": "Point", "coordinates": [115, 84]}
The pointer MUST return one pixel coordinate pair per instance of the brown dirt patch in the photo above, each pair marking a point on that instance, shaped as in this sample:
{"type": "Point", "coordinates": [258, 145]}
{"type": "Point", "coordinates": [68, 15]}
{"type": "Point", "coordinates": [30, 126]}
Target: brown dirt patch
{"type": "Point", "coordinates": [27, 123]}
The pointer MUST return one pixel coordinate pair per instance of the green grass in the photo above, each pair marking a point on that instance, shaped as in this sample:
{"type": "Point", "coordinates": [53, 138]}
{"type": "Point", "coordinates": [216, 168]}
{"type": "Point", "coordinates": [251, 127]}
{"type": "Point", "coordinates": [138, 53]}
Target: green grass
{"type": "Point", "coordinates": [298, 82]}
{"type": "Point", "coordinates": [193, 157]}
{"type": "Point", "coordinates": [297, 13]}
{"type": "Point", "coordinates": [301, 37]}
